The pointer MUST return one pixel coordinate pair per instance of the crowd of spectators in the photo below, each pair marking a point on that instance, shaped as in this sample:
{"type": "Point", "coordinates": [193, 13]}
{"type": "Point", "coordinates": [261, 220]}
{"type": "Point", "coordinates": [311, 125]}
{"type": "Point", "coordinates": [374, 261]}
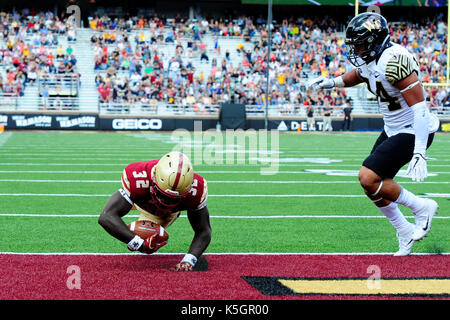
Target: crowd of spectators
{"type": "Point", "coordinates": [132, 63]}
{"type": "Point", "coordinates": [154, 60]}
{"type": "Point", "coordinates": [133, 67]}
{"type": "Point", "coordinates": [31, 48]}
{"type": "Point", "coordinates": [428, 41]}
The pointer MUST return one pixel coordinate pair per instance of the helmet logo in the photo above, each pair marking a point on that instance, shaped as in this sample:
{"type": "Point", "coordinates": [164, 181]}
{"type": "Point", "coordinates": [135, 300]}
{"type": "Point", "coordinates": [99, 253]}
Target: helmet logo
{"type": "Point", "coordinates": [372, 24]}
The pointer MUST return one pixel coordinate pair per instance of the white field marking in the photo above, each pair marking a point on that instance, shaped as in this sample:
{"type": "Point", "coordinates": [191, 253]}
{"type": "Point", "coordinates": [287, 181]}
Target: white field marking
{"type": "Point", "coordinates": [69, 154]}
{"type": "Point", "coordinates": [283, 171]}
{"type": "Point", "coordinates": [354, 173]}
{"type": "Point", "coordinates": [433, 195]}
{"type": "Point", "coordinates": [220, 181]}
{"type": "Point", "coordinates": [36, 149]}
{"type": "Point", "coordinates": [219, 254]}
{"type": "Point", "coordinates": [74, 149]}
{"type": "Point", "coordinates": [60, 171]}
{"type": "Point", "coordinates": [37, 215]}
{"type": "Point", "coordinates": [4, 137]}
{"type": "Point", "coordinates": [159, 154]}
{"type": "Point", "coordinates": [52, 195]}
{"type": "Point", "coordinates": [438, 195]}
{"type": "Point", "coordinates": [200, 171]}
{"type": "Point", "coordinates": [261, 164]}
{"type": "Point", "coordinates": [62, 164]}
{"type": "Point", "coordinates": [60, 181]}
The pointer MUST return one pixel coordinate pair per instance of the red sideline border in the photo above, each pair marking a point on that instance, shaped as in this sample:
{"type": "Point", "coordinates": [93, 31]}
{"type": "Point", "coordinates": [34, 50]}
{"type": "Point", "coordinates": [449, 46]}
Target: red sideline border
{"type": "Point", "coordinates": [148, 277]}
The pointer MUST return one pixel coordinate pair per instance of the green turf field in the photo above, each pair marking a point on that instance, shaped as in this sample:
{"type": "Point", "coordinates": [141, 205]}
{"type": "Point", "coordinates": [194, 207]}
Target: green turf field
{"type": "Point", "coordinates": [53, 186]}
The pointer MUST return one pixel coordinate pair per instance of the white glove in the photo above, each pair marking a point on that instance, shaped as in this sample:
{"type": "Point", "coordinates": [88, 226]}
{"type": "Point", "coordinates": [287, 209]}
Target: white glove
{"type": "Point", "coordinates": [418, 167]}
{"type": "Point", "coordinates": [321, 83]}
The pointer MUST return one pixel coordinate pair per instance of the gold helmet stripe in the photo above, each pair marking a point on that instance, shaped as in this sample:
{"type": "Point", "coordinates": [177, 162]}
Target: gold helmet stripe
{"type": "Point", "coordinates": [180, 167]}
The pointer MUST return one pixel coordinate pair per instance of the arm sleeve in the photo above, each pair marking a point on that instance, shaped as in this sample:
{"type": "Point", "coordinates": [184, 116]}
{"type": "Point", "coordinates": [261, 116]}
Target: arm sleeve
{"type": "Point", "coordinates": [421, 124]}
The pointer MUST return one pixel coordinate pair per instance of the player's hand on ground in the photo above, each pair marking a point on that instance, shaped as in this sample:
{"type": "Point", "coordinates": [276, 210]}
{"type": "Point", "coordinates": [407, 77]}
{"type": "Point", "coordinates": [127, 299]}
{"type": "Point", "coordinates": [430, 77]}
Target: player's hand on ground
{"type": "Point", "coordinates": [182, 266]}
{"type": "Point", "coordinates": [152, 244]}
{"type": "Point", "coordinates": [321, 83]}
{"type": "Point", "coordinates": [417, 169]}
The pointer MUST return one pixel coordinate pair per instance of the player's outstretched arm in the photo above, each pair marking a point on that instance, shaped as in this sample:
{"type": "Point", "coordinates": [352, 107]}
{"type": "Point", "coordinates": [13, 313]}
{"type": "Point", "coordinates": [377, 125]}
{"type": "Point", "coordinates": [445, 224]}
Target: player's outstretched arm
{"type": "Point", "coordinates": [412, 91]}
{"type": "Point", "coordinates": [199, 220]}
{"type": "Point", "coordinates": [348, 79]}
{"type": "Point", "coordinates": [111, 218]}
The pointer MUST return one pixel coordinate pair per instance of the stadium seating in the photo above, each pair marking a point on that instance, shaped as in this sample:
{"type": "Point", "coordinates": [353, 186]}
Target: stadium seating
{"type": "Point", "coordinates": [213, 62]}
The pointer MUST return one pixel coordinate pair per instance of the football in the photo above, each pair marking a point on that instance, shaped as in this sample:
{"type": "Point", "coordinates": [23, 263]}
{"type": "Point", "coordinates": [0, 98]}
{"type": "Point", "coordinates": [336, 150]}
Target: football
{"type": "Point", "coordinates": [146, 228]}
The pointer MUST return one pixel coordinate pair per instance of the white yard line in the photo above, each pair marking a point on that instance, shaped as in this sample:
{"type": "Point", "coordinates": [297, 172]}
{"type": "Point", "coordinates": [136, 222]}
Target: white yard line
{"type": "Point", "coordinates": [432, 195]}
{"type": "Point", "coordinates": [4, 137]}
{"type": "Point", "coordinates": [62, 171]}
{"type": "Point", "coordinates": [217, 181]}
{"type": "Point", "coordinates": [38, 215]}
{"type": "Point", "coordinates": [199, 172]}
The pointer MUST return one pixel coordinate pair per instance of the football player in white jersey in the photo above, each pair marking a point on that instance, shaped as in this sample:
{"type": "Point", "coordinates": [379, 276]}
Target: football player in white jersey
{"type": "Point", "coordinates": [393, 75]}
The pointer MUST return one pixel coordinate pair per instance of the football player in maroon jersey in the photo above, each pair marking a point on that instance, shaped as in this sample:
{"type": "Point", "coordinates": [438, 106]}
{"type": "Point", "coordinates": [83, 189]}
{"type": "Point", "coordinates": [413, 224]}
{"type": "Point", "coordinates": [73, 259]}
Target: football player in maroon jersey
{"type": "Point", "coordinates": [160, 189]}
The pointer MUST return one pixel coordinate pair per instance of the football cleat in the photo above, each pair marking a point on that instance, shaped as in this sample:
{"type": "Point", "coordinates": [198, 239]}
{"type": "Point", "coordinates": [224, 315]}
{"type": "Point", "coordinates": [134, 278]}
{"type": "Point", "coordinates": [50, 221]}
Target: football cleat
{"type": "Point", "coordinates": [423, 219]}
{"type": "Point", "coordinates": [405, 243]}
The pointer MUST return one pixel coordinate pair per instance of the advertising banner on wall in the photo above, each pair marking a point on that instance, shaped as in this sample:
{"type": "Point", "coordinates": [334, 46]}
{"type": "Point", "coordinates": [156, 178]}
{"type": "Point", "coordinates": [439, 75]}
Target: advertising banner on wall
{"type": "Point", "coordinates": [153, 124]}
{"type": "Point", "coordinates": [22, 121]}
{"type": "Point", "coordinates": [51, 122]}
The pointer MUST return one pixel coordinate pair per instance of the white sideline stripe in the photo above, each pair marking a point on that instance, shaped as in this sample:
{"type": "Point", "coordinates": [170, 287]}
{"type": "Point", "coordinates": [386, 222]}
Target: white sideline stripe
{"type": "Point", "coordinates": [258, 165]}
{"type": "Point", "coordinates": [443, 195]}
{"type": "Point", "coordinates": [60, 171]}
{"type": "Point", "coordinates": [211, 195]}
{"type": "Point", "coordinates": [61, 164]}
{"type": "Point", "coordinates": [214, 217]}
{"type": "Point", "coordinates": [432, 195]}
{"type": "Point", "coordinates": [4, 137]}
{"type": "Point", "coordinates": [216, 171]}
{"type": "Point", "coordinates": [52, 181]}
{"type": "Point", "coordinates": [219, 253]}
{"type": "Point", "coordinates": [220, 181]}
{"type": "Point", "coordinates": [209, 171]}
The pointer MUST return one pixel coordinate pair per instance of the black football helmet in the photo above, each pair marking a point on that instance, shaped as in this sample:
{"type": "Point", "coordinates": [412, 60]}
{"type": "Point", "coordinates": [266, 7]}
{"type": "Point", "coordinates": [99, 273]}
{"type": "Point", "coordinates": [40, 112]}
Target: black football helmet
{"type": "Point", "coordinates": [366, 37]}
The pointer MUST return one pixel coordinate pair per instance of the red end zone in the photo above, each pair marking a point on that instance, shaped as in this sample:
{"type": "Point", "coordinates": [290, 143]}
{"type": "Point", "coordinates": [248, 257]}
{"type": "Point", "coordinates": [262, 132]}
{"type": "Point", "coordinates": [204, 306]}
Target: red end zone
{"type": "Point", "coordinates": [229, 277]}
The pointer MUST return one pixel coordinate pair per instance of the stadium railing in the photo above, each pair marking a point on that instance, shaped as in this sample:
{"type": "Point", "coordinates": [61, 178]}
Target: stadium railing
{"type": "Point", "coordinates": [169, 109]}
{"type": "Point", "coordinates": [63, 85]}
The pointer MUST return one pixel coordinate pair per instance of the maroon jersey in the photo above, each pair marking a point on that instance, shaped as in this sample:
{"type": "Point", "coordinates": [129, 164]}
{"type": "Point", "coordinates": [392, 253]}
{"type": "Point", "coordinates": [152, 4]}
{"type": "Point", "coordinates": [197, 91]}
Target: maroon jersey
{"type": "Point", "coordinates": [136, 182]}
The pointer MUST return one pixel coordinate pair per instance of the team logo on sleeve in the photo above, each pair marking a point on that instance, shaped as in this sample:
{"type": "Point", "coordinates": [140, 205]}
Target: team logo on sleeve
{"type": "Point", "coordinates": [398, 68]}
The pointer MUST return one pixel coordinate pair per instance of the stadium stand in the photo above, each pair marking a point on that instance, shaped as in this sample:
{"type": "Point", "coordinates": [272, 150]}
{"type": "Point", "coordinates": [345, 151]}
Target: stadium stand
{"type": "Point", "coordinates": [170, 66]}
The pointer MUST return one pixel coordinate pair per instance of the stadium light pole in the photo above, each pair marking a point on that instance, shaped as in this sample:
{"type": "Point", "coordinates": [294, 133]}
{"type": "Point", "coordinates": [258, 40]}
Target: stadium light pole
{"type": "Point", "coordinates": [356, 7]}
{"type": "Point", "coordinates": [269, 48]}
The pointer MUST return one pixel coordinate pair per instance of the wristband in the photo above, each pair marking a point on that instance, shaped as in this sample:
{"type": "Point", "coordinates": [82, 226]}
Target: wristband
{"type": "Point", "coordinates": [190, 258]}
{"type": "Point", "coordinates": [339, 82]}
{"type": "Point", "coordinates": [135, 243]}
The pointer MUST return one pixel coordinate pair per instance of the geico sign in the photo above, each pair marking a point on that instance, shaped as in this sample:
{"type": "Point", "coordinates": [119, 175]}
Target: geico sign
{"type": "Point", "coordinates": [137, 124]}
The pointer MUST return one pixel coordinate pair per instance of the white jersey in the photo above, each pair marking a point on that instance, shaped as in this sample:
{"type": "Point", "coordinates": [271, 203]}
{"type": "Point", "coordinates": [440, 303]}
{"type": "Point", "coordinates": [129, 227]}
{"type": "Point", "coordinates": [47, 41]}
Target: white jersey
{"type": "Point", "coordinates": [380, 75]}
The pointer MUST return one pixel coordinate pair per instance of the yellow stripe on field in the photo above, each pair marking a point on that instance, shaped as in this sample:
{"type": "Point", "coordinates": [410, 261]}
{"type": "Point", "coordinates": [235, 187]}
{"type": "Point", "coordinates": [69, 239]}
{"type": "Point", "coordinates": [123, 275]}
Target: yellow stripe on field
{"type": "Point", "coordinates": [370, 286]}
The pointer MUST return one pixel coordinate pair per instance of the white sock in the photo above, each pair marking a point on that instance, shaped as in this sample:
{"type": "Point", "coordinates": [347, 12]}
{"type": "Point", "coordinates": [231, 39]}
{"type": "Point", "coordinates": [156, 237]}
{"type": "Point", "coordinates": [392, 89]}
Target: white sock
{"type": "Point", "coordinates": [410, 200]}
{"type": "Point", "coordinates": [396, 217]}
